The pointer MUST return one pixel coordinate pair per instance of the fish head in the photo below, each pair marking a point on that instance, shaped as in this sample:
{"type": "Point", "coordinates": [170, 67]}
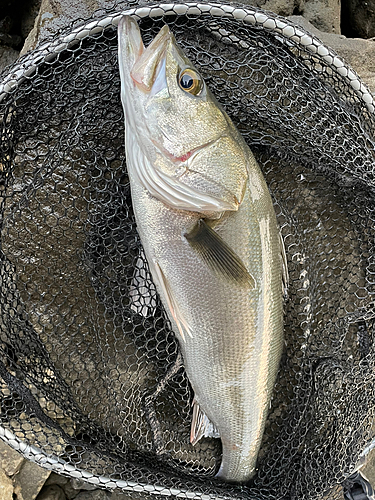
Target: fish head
{"type": "Point", "coordinates": [191, 147]}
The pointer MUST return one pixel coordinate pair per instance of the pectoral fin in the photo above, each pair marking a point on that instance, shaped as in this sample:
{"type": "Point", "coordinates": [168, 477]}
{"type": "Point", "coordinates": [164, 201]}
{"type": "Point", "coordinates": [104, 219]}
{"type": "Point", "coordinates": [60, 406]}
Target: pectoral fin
{"type": "Point", "coordinates": [217, 254]}
{"type": "Point", "coordinates": [201, 425]}
{"type": "Point", "coordinates": [173, 307]}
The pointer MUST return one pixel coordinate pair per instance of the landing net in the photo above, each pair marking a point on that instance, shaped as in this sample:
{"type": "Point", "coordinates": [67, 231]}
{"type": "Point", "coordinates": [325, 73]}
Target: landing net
{"type": "Point", "coordinates": [83, 342]}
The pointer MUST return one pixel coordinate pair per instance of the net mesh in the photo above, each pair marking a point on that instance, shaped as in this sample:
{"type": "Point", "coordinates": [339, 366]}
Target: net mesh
{"type": "Point", "coordinates": [84, 342]}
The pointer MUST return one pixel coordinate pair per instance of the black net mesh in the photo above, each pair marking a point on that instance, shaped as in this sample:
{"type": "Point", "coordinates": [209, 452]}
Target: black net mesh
{"type": "Point", "coordinates": [79, 352]}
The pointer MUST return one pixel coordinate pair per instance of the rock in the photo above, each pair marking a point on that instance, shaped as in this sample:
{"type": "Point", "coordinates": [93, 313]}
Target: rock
{"type": "Point", "coordinates": [94, 495]}
{"type": "Point", "coordinates": [72, 487]}
{"type": "Point", "coordinates": [13, 41]}
{"type": "Point", "coordinates": [358, 53]}
{"type": "Point", "coordinates": [82, 485]}
{"type": "Point", "coordinates": [123, 496]}
{"type": "Point", "coordinates": [29, 480]}
{"type": "Point", "coordinates": [6, 486]}
{"type": "Point", "coordinates": [69, 491]}
{"type": "Point", "coordinates": [49, 10]}
{"type": "Point", "coordinates": [336, 492]}
{"type": "Point", "coordinates": [7, 56]}
{"type": "Point", "coordinates": [57, 14]}
{"type": "Point", "coordinates": [28, 17]}
{"type": "Point", "coordinates": [73, 490]}
{"type": "Point", "coordinates": [368, 470]}
{"type": "Point", "coordinates": [6, 37]}
{"type": "Point", "coordinates": [6, 24]}
{"type": "Point", "coordinates": [51, 492]}
{"type": "Point", "coordinates": [9, 35]}
{"type": "Point", "coordinates": [281, 7]}
{"type": "Point", "coordinates": [56, 479]}
{"type": "Point", "coordinates": [10, 460]}
{"type": "Point", "coordinates": [358, 18]}
{"type": "Point", "coordinates": [323, 14]}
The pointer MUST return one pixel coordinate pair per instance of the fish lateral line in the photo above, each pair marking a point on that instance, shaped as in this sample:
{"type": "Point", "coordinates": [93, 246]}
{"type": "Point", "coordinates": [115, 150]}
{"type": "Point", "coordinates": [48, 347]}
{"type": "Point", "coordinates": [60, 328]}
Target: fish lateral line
{"type": "Point", "coordinates": [218, 255]}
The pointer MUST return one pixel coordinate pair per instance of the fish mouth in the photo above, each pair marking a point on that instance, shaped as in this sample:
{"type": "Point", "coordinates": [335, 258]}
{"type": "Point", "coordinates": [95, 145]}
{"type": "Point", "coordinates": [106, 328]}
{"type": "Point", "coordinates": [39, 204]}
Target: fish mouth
{"type": "Point", "coordinates": [145, 60]}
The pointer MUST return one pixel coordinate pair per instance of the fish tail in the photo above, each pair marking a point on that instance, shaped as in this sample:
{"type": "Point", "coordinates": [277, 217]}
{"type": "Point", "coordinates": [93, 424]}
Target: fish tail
{"type": "Point", "coordinates": [236, 467]}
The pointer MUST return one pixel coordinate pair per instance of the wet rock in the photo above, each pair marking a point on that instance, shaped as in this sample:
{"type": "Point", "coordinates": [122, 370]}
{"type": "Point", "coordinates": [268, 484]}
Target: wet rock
{"type": "Point", "coordinates": [358, 18]}
{"type": "Point", "coordinates": [6, 486]}
{"type": "Point", "coordinates": [10, 460]}
{"type": "Point", "coordinates": [29, 480]}
{"type": "Point", "coordinates": [51, 492]}
{"type": "Point", "coordinates": [358, 53]}
{"type": "Point", "coordinates": [323, 14]}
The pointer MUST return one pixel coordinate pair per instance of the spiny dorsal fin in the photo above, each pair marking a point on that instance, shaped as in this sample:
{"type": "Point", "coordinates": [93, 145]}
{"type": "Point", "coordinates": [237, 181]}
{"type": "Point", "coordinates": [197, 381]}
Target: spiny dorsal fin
{"type": "Point", "coordinates": [217, 254]}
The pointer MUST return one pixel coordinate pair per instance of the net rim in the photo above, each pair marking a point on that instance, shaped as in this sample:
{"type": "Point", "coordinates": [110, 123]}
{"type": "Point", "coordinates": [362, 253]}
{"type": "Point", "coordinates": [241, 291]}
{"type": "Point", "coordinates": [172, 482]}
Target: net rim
{"type": "Point", "coordinates": [248, 15]}
{"type": "Point", "coordinates": [56, 464]}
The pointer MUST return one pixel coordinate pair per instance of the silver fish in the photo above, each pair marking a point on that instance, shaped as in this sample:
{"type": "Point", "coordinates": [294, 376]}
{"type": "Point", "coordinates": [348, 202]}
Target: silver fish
{"type": "Point", "coordinates": [207, 224]}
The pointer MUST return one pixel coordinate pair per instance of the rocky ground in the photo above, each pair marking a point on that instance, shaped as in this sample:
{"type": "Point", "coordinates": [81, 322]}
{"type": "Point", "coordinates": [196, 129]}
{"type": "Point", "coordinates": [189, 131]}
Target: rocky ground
{"type": "Point", "coordinates": [347, 26]}
{"type": "Point", "coordinates": [21, 479]}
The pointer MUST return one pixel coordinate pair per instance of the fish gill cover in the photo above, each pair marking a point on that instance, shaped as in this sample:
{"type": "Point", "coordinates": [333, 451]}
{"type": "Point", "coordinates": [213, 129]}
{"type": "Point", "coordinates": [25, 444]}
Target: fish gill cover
{"type": "Point", "coordinates": [84, 339]}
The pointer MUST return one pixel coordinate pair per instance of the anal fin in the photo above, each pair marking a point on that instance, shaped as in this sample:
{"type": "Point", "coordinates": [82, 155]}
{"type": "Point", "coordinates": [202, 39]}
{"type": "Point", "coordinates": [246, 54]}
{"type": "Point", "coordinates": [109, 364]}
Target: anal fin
{"type": "Point", "coordinates": [201, 425]}
{"type": "Point", "coordinates": [218, 255]}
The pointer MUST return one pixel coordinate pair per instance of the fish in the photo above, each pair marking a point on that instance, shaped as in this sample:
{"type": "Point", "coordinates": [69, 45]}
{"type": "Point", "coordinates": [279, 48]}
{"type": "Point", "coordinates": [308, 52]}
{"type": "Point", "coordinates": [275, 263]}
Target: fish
{"type": "Point", "coordinates": [209, 232]}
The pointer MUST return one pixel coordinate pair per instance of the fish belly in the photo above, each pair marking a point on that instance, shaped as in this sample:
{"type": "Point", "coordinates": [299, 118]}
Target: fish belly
{"type": "Point", "coordinates": [232, 352]}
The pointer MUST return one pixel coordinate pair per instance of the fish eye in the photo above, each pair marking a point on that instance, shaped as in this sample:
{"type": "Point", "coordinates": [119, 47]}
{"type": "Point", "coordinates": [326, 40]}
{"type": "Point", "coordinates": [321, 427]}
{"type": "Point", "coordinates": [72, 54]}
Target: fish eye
{"type": "Point", "coordinates": [190, 81]}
